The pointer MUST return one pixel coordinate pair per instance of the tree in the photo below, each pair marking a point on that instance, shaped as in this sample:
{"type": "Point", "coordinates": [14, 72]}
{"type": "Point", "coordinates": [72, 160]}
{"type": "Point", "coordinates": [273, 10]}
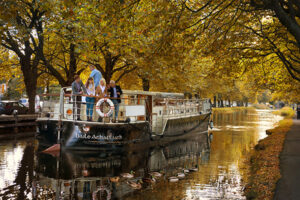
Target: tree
{"type": "Point", "coordinates": [232, 50]}
{"type": "Point", "coordinates": [249, 25]}
{"type": "Point", "coordinates": [287, 12]}
{"type": "Point", "coordinates": [61, 59]}
{"type": "Point", "coordinates": [101, 32]}
{"type": "Point", "coordinates": [22, 33]}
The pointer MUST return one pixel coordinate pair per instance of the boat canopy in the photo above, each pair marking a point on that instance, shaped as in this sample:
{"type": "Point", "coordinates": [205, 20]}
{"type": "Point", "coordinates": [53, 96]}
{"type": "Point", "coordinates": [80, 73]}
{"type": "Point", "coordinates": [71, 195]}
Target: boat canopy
{"type": "Point", "coordinates": [156, 94]}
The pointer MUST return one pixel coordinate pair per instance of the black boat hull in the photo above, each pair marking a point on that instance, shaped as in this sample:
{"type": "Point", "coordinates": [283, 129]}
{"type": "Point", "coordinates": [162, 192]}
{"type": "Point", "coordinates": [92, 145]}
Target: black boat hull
{"type": "Point", "coordinates": [95, 135]}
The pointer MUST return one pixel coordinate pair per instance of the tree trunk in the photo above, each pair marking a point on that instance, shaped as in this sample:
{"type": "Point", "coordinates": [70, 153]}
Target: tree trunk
{"type": "Point", "coordinates": [146, 84]}
{"type": "Point", "coordinates": [222, 103]}
{"type": "Point", "coordinates": [48, 87]}
{"type": "Point", "coordinates": [72, 65]}
{"type": "Point", "coordinates": [30, 80]}
{"type": "Point", "coordinates": [215, 101]}
{"type": "Point", "coordinates": [107, 77]}
{"type": "Point", "coordinates": [109, 66]}
{"type": "Point", "coordinates": [31, 92]}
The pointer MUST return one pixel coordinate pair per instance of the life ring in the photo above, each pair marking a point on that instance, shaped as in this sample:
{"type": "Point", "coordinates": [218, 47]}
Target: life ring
{"type": "Point", "coordinates": [102, 188]}
{"type": "Point", "coordinates": [111, 104]}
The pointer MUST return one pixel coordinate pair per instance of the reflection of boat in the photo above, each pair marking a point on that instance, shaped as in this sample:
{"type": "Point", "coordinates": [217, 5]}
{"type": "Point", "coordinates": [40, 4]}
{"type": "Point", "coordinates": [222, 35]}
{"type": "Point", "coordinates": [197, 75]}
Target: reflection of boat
{"type": "Point", "coordinates": [81, 175]}
{"type": "Point", "coordinates": [143, 116]}
{"type": "Point", "coordinates": [178, 153]}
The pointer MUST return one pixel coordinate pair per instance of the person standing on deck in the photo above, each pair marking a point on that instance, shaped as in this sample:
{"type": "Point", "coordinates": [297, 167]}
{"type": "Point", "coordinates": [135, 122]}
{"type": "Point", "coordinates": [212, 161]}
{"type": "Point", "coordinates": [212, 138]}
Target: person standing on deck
{"type": "Point", "coordinates": [90, 99]}
{"type": "Point", "coordinates": [77, 90]}
{"type": "Point", "coordinates": [96, 75]}
{"type": "Point", "coordinates": [101, 92]}
{"type": "Point", "coordinates": [115, 93]}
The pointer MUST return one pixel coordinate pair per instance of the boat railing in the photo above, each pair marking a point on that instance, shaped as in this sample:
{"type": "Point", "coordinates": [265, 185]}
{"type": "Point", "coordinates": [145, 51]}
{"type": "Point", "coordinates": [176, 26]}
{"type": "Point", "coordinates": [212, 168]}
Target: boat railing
{"type": "Point", "coordinates": [67, 106]}
{"type": "Point", "coordinates": [183, 107]}
{"type": "Point", "coordinates": [165, 109]}
{"type": "Point", "coordinates": [134, 108]}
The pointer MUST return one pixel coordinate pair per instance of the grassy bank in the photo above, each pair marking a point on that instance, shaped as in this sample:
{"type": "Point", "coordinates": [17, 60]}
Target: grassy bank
{"type": "Point", "coordinates": [231, 109]}
{"type": "Point", "coordinates": [264, 169]}
{"type": "Point", "coordinates": [261, 106]}
{"type": "Point", "coordinates": [286, 112]}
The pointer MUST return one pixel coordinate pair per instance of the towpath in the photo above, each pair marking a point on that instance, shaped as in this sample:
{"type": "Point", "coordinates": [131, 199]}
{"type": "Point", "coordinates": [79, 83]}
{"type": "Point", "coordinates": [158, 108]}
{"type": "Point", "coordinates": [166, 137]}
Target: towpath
{"type": "Point", "coordinates": [288, 187]}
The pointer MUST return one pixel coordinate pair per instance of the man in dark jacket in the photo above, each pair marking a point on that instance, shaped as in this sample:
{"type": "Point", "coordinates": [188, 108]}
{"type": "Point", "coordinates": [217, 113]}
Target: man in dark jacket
{"type": "Point", "coordinates": [77, 89]}
{"type": "Point", "coordinates": [115, 95]}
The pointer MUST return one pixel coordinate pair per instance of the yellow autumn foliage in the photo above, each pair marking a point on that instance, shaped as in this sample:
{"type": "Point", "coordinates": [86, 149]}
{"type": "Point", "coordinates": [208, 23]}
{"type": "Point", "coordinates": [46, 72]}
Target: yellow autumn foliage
{"type": "Point", "coordinates": [286, 112]}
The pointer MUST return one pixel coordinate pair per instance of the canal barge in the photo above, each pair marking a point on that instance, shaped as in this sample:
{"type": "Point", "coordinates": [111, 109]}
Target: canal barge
{"type": "Point", "coordinates": [144, 117]}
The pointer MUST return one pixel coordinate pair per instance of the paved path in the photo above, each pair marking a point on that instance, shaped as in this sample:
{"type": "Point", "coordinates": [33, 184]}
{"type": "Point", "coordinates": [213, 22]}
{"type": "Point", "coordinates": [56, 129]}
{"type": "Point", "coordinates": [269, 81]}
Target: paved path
{"type": "Point", "coordinates": [288, 187]}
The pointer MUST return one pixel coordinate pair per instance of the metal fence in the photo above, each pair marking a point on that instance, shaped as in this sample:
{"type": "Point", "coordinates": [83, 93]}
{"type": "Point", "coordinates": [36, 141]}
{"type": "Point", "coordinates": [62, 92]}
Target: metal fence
{"type": "Point", "coordinates": [67, 106]}
{"type": "Point", "coordinates": [184, 107]}
{"type": "Point", "coordinates": [165, 109]}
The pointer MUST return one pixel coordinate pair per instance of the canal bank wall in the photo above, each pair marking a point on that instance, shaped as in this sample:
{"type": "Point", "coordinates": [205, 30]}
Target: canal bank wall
{"type": "Point", "coordinates": [17, 126]}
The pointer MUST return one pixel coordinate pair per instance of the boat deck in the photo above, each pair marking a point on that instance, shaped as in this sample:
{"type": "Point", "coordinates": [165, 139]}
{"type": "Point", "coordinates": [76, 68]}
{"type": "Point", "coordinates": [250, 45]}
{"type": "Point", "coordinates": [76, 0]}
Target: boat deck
{"type": "Point", "coordinates": [90, 122]}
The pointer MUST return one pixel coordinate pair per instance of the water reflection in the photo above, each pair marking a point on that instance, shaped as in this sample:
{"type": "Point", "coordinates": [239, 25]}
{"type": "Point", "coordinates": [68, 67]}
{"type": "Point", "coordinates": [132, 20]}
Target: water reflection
{"type": "Point", "coordinates": [28, 174]}
{"type": "Point", "coordinates": [16, 169]}
{"type": "Point", "coordinates": [86, 175]}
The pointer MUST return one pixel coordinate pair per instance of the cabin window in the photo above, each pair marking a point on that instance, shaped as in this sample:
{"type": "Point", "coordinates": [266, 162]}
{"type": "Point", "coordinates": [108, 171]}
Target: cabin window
{"type": "Point", "coordinates": [159, 102]}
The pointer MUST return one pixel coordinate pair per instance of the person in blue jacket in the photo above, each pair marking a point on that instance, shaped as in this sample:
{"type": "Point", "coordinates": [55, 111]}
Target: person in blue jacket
{"type": "Point", "coordinates": [96, 75]}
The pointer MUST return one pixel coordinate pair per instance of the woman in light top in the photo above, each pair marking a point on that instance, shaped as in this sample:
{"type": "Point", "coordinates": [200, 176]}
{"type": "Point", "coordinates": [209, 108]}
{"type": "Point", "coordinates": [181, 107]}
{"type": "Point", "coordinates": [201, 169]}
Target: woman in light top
{"type": "Point", "coordinates": [90, 98]}
{"type": "Point", "coordinates": [101, 90]}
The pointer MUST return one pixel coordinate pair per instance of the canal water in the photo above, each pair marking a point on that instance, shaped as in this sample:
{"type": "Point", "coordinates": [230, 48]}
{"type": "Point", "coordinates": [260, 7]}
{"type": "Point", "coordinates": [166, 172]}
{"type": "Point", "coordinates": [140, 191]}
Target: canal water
{"type": "Point", "coordinates": [214, 166]}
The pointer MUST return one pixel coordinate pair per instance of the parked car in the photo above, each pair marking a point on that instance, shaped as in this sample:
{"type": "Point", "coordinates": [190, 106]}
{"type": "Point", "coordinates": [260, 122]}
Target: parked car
{"type": "Point", "coordinates": [8, 107]}
{"type": "Point", "coordinates": [24, 101]}
{"type": "Point", "coordinates": [37, 106]}
{"type": "Point", "coordinates": [2, 109]}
